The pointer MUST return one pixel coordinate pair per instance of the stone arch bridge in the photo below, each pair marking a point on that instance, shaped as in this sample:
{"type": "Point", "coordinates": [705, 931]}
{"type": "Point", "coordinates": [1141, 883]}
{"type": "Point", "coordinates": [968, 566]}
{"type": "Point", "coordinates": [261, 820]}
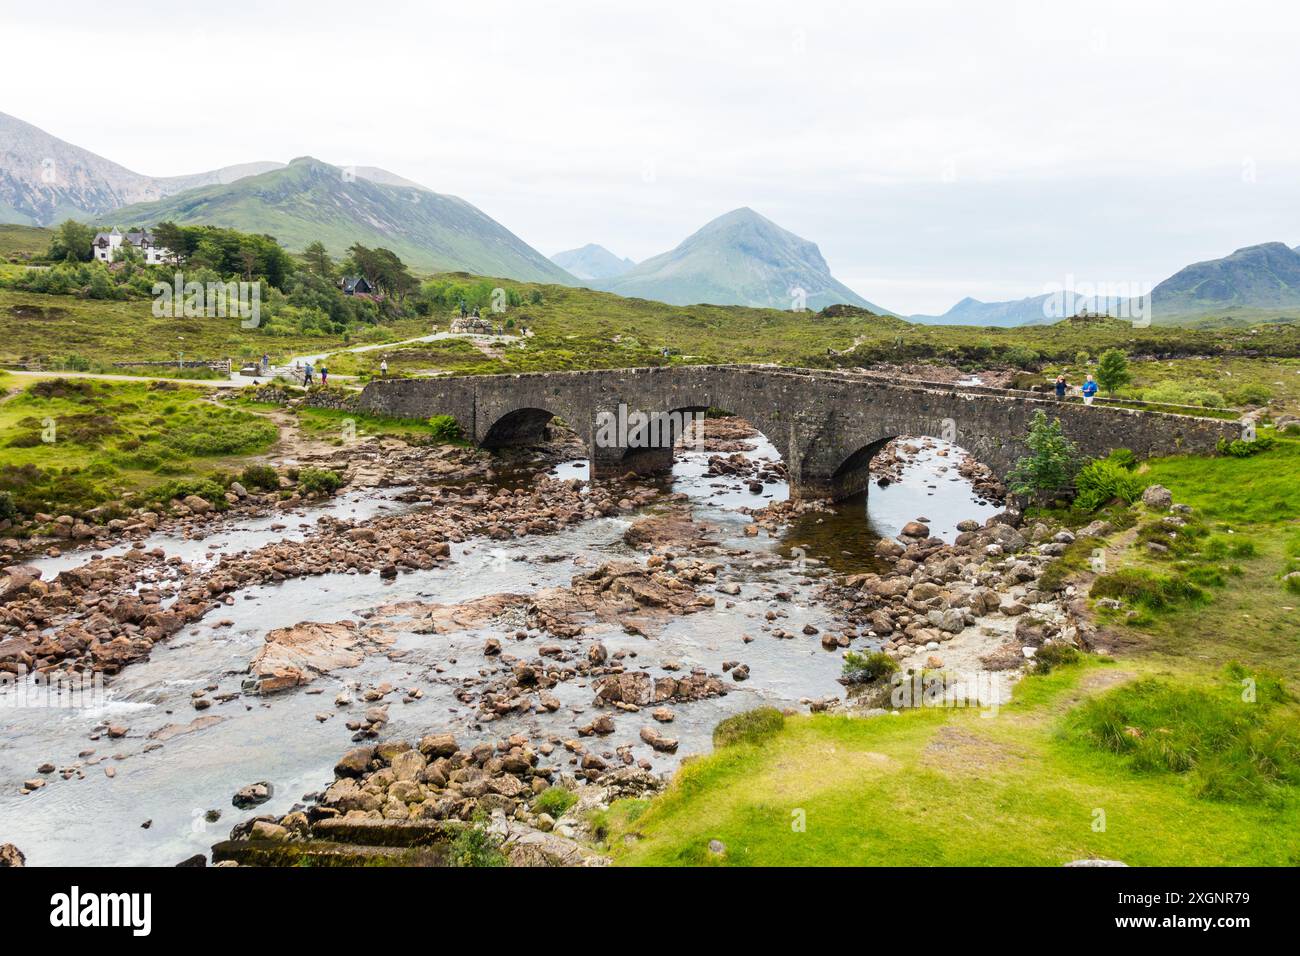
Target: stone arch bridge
{"type": "Point", "coordinates": [827, 424]}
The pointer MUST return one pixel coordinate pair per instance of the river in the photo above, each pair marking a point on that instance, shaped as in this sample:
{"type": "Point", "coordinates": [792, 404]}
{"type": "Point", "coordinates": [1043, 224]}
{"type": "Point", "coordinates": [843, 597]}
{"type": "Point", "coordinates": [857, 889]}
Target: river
{"type": "Point", "coordinates": [172, 781]}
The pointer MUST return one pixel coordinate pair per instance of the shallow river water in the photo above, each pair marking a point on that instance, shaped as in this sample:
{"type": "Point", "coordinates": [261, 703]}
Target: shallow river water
{"type": "Point", "coordinates": [172, 779]}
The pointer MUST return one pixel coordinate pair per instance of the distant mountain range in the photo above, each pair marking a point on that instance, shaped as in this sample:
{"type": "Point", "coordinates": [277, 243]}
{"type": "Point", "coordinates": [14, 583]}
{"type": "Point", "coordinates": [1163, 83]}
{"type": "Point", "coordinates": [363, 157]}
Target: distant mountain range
{"type": "Point", "coordinates": [1264, 277]}
{"type": "Point", "coordinates": [592, 262]}
{"type": "Point", "coordinates": [740, 258]}
{"type": "Point", "coordinates": [310, 200]}
{"type": "Point", "coordinates": [44, 180]}
{"type": "Point", "coordinates": [1038, 310]}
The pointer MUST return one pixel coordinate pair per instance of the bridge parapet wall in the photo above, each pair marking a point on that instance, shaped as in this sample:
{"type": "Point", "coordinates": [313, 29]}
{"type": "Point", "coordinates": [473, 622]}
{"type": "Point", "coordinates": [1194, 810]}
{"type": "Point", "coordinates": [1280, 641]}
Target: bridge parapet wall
{"type": "Point", "coordinates": [827, 425]}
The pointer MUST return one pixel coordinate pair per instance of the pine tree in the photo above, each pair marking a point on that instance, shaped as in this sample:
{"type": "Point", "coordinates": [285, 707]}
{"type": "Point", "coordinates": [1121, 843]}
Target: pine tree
{"type": "Point", "coordinates": [1052, 463]}
{"type": "Point", "coordinates": [1112, 370]}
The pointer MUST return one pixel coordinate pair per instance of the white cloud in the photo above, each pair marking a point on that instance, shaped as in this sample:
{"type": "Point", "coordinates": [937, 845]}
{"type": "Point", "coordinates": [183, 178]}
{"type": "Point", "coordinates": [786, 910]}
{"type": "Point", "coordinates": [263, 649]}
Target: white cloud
{"type": "Point", "coordinates": [1085, 137]}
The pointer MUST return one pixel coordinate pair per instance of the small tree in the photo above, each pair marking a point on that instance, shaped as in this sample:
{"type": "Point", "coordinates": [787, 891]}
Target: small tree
{"type": "Point", "coordinates": [72, 243]}
{"type": "Point", "coordinates": [1112, 370]}
{"type": "Point", "coordinates": [1052, 463]}
{"type": "Point", "coordinates": [318, 259]}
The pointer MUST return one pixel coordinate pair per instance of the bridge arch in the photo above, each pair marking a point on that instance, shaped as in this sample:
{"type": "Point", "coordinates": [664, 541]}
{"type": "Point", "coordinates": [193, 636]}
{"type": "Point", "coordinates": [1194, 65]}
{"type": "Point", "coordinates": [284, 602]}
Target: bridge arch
{"type": "Point", "coordinates": [520, 426]}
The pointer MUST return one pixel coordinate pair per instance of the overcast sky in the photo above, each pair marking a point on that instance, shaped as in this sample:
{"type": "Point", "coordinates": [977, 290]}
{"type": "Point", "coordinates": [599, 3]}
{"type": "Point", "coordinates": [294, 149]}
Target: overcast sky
{"type": "Point", "coordinates": [933, 150]}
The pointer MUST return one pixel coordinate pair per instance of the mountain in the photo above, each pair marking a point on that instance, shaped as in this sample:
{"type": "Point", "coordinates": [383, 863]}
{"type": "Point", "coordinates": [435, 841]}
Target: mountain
{"type": "Point", "coordinates": [1266, 276]}
{"type": "Point", "coordinates": [1036, 310]}
{"type": "Point", "coordinates": [44, 180]}
{"type": "Point", "coordinates": [1263, 277]}
{"type": "Point", "coordinates": [310, 200]}
{"type": "Point", "coordinates": [739, 258]}
{"type": "Point", "coordinates": [592, 262]}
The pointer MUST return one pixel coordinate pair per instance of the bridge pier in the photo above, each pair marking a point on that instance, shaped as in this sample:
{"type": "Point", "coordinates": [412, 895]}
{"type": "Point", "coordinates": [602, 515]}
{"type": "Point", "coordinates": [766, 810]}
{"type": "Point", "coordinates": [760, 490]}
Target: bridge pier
{"type": "Point", "coordinates": [617, 462]}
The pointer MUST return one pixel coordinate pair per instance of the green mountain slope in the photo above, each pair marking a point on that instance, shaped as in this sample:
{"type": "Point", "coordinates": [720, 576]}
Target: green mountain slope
{"type": "Point", "coordinates": [740, 258]}
{"type": "Point", "coordinates": [1266, 276]}
{"type": "Point", "coordinates": [310, 200]}
{"type": "Point", "coordinates": [44, 180]}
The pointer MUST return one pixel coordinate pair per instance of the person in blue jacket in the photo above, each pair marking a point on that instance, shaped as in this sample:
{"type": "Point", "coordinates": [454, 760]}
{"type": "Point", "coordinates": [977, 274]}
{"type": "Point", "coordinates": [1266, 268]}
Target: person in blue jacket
{"type": "Point", "coordinates": [1089, 390]}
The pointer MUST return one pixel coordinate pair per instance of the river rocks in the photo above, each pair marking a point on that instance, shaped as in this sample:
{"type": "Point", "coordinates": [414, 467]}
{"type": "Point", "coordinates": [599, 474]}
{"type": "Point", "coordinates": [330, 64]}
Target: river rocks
{"type": "Point", "coordinates": [255, 794]}
{"type": "Point", "coordinates": [15, 582]}
{"type": "Point", "coordinates": [602, 725]}
{"type": "Point", "coordinates": [355, 762]}
{"type": "Point", "coordinates": [116, 635]}
{"type": "Point", "coordinates": [658, 741]}
{"type": "Point", "coordinates": [294, 656]}
{"type": "Point", "coordinates": [914, 529]}
{"type": "Point", "coordinates": [674, 529]}
{"type": "Point", "coordinates": [641, 689]}
{"type": "Point", "coordinates": [11, 856]}
{"type": "Point", "coordinates": [265, 830]}
{"type": "Point", "coordinates": [438, 745]}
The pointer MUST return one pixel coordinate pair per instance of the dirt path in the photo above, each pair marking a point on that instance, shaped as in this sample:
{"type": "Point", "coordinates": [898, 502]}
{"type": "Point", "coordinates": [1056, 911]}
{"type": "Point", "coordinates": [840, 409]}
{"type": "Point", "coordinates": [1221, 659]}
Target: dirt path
{"type": "Point", "coordinates": [294, 444]}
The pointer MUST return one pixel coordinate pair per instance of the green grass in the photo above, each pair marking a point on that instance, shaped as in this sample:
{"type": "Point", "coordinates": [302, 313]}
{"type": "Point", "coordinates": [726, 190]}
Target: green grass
{"type": "Point", "coordinates": [555, 801]}
{"type": "Point", "coordinates": [53, 327]}
{"type": "Point", "coordinates": [580, 328]}
{"type": "Point", "coordinates": [1265, 488]}
{"type": "Point", "coordinates": [1237, 739]}
{"type": "Point", "coordinates": [71, 444]}
{"type": "Point", "coordinates": [24, 242]}
{"type": "Point", "coordinates": [333, 424]}
{"type": "Point", "coordinates": [944, 787]}
{"type": "Point", "coordinates": [751, 727]}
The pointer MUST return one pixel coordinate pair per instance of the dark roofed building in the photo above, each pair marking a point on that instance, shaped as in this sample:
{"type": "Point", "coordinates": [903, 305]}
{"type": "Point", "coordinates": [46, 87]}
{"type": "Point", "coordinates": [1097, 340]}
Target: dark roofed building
{"type": "Point", "coordinates": [357, 285]}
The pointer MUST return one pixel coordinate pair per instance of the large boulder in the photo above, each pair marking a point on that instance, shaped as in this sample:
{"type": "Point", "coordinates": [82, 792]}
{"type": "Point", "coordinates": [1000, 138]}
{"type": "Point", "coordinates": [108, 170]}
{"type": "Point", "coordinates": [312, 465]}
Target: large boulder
{"type": "Point", "coordinates": [253, 795]}
{"type": "Point", "coordinates": [293, 656]}
{"type": "Point", "coordinates": [15, 581]}
{"type": "Point", "coordinates": [1158, 497]}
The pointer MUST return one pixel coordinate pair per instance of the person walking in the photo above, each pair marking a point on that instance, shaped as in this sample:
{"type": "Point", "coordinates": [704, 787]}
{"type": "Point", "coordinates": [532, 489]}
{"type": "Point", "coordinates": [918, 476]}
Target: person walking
{"type": "Point", "coordinates": [383, 367]}
{"type": "Point", "coordinates": [324, 376]}
{"type": "Point", "coordinates": [1089, 390]}
{"type": "Point", "coordinates": [1060, 388]}
{"type": "Point", "coordinates": [306, 377]}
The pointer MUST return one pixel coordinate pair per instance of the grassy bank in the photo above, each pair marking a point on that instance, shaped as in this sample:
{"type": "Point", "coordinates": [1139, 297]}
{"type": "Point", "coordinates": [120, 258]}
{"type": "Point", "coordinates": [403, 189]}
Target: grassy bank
{"type": "Point", "coordinates": [72, 444]}
{"type": "Point", "coordinates": [95, 332]}
{"type": "Point", "coordinates": [1179, 769]}
{"type": "Point", "coordinates": [943, 787]}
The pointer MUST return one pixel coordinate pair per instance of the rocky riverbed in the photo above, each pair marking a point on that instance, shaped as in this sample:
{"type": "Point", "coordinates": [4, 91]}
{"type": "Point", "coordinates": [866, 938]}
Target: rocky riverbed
{"type": "Point", "coordinates": [471, 631]}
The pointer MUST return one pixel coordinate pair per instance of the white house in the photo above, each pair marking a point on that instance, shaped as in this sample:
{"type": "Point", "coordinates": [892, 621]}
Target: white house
{"type": "Point", "coordinates": [106, 245]}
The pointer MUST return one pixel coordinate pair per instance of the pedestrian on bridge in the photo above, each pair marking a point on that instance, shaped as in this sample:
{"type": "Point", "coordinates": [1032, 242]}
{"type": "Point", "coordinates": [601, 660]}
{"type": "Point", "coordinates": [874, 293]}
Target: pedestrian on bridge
{"type": "Point", "coordinates": [1060, 388]}
{"type": "Point", "coordinates": [1089, 390]}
